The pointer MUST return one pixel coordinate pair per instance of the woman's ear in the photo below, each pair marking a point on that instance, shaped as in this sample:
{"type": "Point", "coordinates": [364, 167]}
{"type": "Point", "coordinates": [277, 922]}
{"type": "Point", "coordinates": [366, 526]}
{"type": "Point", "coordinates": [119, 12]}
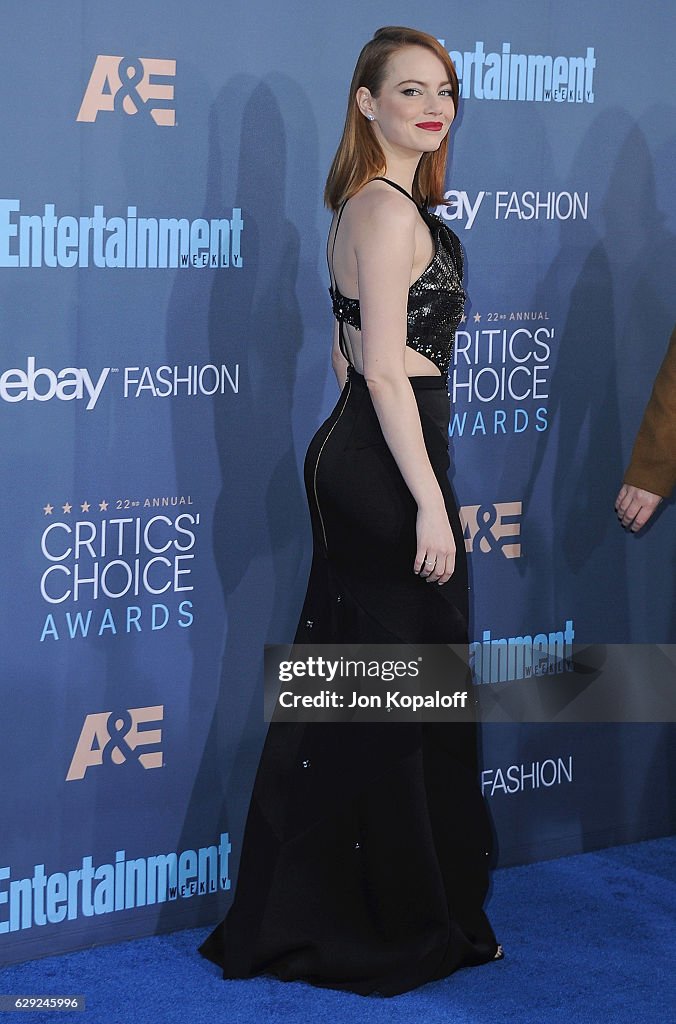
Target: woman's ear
{"type": "Point", "coordinates": [365, 102]}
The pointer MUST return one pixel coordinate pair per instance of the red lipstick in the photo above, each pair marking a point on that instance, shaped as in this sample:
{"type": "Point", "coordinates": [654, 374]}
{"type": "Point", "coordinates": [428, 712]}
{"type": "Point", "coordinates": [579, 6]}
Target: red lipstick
{"type": "Point", "coordinates": [430, 126]}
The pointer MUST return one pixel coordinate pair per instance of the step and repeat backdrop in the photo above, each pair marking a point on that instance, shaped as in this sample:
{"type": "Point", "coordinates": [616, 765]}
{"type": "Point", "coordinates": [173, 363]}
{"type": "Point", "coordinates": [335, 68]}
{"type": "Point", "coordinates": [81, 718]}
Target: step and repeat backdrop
{"type": "Point", "coordinates": [165, 338]}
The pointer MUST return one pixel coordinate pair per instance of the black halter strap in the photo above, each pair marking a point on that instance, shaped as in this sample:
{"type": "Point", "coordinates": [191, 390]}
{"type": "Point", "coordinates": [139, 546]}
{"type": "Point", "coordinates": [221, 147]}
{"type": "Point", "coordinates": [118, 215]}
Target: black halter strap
{"type": "Point", "coordinates": [394, 185]}
{"type": "Point", "coordinates": [334, 289]}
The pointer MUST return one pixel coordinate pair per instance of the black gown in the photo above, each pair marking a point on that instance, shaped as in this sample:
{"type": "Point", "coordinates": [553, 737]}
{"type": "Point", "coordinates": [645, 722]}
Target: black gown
{"type": "Point", "coordinates": [365, 857]}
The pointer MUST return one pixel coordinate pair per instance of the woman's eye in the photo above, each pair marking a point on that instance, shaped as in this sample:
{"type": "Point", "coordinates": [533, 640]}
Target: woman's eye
{"type": "Point", "coordinates": [410, 91]}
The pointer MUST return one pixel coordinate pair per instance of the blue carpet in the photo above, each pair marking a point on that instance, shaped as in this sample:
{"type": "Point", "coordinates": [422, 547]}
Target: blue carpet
{"type": "Point", "coordinates": [588, 939]}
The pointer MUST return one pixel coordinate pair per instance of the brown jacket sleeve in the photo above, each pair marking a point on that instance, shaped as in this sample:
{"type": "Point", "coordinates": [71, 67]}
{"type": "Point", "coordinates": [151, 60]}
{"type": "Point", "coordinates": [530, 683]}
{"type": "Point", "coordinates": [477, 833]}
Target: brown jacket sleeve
{"type": "Point", "coordinates": [653, 459]}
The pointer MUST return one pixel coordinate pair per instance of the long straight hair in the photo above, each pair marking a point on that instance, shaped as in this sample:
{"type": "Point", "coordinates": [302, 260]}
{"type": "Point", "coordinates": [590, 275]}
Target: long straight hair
{"type": "Point", "coordinates": [359, 156]}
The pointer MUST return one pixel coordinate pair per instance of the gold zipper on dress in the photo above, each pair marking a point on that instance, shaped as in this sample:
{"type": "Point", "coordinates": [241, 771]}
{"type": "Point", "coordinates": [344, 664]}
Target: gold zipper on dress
{"type": "Point", "coordinates": [314, 480]}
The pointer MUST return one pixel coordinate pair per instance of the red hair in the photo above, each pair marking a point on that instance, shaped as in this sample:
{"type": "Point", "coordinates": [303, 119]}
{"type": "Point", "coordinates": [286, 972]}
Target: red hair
{"type": "Point", "coordinates": [359, 156]}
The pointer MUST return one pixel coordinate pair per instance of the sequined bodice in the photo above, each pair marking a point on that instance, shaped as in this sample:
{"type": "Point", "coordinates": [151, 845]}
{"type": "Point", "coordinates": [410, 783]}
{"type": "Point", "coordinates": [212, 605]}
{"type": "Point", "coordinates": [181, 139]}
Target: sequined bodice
{"type": "Point", "coordinates": [435, 299]}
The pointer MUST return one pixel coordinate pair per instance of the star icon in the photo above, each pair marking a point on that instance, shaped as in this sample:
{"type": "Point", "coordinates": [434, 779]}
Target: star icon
{"type": "Point", "coordinates": [103, 506]}
{"type": "Point", "coordinates": [48, 509]}
{"type": "Point", "coordinates": [84, 507]}
{"type": "Point", "coordinates": [67, 507]}
{"type": "Point", "coordinates": [477, 318]}
{"type": "Point", "coordinates": [463, 319]}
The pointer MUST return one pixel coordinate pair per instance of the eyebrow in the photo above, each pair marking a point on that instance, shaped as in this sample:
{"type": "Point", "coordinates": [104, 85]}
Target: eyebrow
{"type": "Point", "coordinates": [416, 82]}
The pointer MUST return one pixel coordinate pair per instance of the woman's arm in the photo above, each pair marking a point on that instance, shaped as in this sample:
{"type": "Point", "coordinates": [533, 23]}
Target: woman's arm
{"type": "Point", "coordinates": [385, 248]}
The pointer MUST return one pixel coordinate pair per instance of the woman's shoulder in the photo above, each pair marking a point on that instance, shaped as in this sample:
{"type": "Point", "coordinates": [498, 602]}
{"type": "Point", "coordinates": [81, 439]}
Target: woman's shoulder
{"type": "Point", "coordinates": [380, 209]}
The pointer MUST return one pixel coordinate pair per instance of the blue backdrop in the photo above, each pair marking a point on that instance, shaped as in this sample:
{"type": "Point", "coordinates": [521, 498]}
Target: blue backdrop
{"type": "Point", "coordinates": [165, 334]}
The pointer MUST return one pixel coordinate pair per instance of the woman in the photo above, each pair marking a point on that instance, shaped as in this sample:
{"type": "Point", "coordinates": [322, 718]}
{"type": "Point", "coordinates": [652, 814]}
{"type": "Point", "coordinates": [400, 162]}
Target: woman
{"type": "Point", "coordinates": [364, 862]}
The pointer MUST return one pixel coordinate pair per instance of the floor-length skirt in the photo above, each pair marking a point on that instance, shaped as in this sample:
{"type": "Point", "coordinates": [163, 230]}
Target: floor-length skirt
{"type": "Point", "coordinates": [365, 856]}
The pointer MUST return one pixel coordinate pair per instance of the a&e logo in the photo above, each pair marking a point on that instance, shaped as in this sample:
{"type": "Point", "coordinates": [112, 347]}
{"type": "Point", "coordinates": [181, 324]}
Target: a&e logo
{"type": "Point", "coordinates": [136, 85]}
{"type": "Point", "coordinates": [487, 527]}
{"type": "Point", "coordinates": [114, 738]}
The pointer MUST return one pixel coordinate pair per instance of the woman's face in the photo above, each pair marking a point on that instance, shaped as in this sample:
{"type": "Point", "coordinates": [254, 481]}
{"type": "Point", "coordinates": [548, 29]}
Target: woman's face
{"type": "Point", "coordinates": [415, 108]}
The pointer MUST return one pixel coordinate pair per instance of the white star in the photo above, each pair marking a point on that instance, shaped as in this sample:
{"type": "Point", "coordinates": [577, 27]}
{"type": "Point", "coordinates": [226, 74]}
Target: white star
{"type": "Point", "coordinates": [84, 507]}
{"type": "Point", "coordinates": [103, 506]}
{"type": "Point", "coordinates": [477, 318]}
{"type": "Point", "coordinates": [67, 507]}
{"type": "Point", "coordinates": [48, 509]}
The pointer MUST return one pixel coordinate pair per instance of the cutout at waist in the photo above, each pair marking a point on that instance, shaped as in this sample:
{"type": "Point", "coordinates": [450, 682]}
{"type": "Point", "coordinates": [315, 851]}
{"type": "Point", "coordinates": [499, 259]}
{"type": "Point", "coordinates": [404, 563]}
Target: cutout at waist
{"type": "Point", "coordinates": [418, 381]}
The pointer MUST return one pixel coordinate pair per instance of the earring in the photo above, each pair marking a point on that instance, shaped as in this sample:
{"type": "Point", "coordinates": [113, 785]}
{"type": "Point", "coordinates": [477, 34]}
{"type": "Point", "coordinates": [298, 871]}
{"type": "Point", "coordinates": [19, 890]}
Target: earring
{"type": "Point", "coordinates": [370, 117]}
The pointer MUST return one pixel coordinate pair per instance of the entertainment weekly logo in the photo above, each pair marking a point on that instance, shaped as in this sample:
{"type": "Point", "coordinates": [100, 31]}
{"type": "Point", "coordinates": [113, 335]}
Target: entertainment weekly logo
{"type": "Point", "coordinates": [132, 242]}
{"type": "Point", "coordinates": [524, 77]}
{"type": "Point", "coordinates": [136, 86]}
{"type": "Point", "coordinates": [89, 890]}
{"type": "Point", "coordinates": [531, 656]}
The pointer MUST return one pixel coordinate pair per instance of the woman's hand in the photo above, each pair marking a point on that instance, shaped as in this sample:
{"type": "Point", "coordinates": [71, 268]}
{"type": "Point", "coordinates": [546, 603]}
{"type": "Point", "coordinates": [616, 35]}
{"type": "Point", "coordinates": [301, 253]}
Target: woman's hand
{"type": "Point", "coordinates": [435, 555]}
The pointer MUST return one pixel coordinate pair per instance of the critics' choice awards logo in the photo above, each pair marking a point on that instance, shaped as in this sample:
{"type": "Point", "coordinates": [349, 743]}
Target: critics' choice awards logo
{"type": "Point", "coordinates": [133, 241]}
{"type": "Point", "coordinates": [139, 86]}
{"type": "Point", "coordinates": [524, 77]}
{"type": "Point", "coordinates": [105, 574]}
{"type": "Point", "coordinates": [500, 373]}
{"type": "Point", "coordinates": [131, 737]}
{"type": "Point", "coordinates": [491, 528]}
{"type": "Point", "coordinates": [37, 383]}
